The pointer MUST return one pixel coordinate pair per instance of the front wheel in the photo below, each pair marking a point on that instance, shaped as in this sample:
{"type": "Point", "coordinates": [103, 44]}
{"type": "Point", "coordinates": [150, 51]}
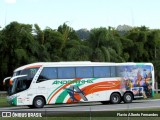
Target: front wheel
{"type": "Point", "coordinates": [115, 98]}
{"type": "Point", "coordinates": [38, 102]}
{"type": "Point", "coordinates": [127, 97]}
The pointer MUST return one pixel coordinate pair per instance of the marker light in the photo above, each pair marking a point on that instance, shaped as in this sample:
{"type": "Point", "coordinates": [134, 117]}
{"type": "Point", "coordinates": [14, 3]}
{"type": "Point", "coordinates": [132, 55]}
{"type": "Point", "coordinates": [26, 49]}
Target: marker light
{"type": "Point", "coordinates": [10, 81]}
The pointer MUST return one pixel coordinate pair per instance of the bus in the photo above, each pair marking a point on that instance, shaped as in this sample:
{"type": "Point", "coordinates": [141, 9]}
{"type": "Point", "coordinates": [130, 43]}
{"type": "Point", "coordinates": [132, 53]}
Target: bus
{"type": "Point", "coordinates": [39, 84]}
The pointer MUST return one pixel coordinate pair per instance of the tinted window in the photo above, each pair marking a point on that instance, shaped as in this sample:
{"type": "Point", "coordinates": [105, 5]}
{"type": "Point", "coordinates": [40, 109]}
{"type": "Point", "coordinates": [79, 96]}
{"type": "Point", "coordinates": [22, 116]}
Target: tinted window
{"type": "Point", "coordinates": [29, 72]}
{"type": "Point", "coordinates": [22, 85]}
{"type": "Point", "coordinates": [32, 72]}
{"type": "Point", "coordinates": [113, 71]}
{"type": "Point", "coordinates": [84, 72]}
{"type": "Point", "coordinates": [101, 72]}
{"type": "Point", "coordinates": [66, 73]}
{"type": "Point", "coordinates": [16, 73]}
{"type": "Point", "coordinates": [119, 71]}
{"type": "Point", "coordinates": [48, 73]}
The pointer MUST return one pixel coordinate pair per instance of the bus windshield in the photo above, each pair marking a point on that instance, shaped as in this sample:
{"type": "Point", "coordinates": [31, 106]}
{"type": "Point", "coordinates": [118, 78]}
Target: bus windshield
{"type": "Point", "coordinates": [22, 83]}
{"type": "Point", "coordinates": [16, 73]}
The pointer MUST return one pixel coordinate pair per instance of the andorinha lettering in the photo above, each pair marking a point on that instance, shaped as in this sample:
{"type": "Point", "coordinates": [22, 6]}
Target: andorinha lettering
{"type": "Point", "coordinates": [72, 82]}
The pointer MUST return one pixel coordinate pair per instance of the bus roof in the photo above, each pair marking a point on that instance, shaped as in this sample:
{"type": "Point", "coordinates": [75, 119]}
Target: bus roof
{"type": "Point", "coordinates": [76, 63]}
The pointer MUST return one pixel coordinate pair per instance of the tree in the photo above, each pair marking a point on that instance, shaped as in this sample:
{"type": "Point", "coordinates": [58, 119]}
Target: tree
{"type": "Point", "coordinates": [153, 49]}
{"type": "Point", "coordinates": [105, 44]}
{"type": "Point", "coordinates": [136, 49]}
{"type": "Point", "coordinates": [67, 34]}
{"type": "Point", "coordinates": [77, 51]}
{"type": "Point", "coordinates": [39, 34]}
{"type": "Point", "coordinates": [54, 42]}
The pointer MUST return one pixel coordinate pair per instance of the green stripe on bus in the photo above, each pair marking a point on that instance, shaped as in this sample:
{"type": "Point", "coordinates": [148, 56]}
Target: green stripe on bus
{"type": "Point", "coordinates": [64, 94]}
{"type": "Point", "coordinates": [14, 101]}
{"type": "Point", "coordinates": [57, 89]}
{"type": "Point", "coordinates": [54, 91]}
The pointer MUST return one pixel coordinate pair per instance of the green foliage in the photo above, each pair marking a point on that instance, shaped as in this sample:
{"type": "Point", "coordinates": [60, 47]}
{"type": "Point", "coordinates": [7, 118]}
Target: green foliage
{"type": "Point", "coordinates": [106, 45]}
{"type": "Point", "coordinates": [21, 44]}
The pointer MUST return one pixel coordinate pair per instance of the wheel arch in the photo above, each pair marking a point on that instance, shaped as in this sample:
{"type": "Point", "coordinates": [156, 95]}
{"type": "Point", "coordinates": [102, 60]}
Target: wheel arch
{"type": "Point", "coordinates": [126, 98]}
{"type": "Point", "coordinates": [116, 92]}
{"type": "Point", "coordinates": [129, 92]}
{"type": "Point", "coordinates": [40, 96]}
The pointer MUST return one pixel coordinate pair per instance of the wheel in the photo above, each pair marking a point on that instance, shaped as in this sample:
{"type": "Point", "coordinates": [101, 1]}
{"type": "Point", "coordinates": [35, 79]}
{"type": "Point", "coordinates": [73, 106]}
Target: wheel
{"type": "Point", "coordinates": [38, 102]}
{"type": "Point", "coordinates": [115, 98]}
{"type": "Point", "coordinates": [127, 97]}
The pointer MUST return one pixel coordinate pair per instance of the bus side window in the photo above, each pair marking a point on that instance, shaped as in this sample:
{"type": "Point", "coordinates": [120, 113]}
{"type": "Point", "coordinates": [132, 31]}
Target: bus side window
{"type": "Point", "coordinates": [84, 72]}
{"type": "Point", "coordinates": [101, 72]}
{"type": "Point", "coordinates": [118, 70]}
{"type": "Point", "coordinates": [47, 73]}
{"type": "Point", "coordinates": [66, 72]}
{"type": "Point", "coordinates": [113, 71]}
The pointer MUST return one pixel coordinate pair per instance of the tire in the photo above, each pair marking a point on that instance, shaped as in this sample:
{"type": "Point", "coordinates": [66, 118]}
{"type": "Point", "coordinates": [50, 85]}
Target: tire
{"type": "Point", "coordinates": [115, 98]}
{"type": "Point", "coordinates": [38, 102]}
{"type": "Point", "coordinates": [127, 97]}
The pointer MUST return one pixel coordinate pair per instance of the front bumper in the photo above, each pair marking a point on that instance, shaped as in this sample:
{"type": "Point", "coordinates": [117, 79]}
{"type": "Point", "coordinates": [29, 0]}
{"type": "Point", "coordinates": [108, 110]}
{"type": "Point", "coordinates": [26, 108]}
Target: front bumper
{"type": "Point", "coordinates": [12, 100]}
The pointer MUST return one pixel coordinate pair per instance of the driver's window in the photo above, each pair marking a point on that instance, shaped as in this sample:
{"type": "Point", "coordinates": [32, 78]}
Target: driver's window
{"type": "Point", "coordinates": [21, 85]}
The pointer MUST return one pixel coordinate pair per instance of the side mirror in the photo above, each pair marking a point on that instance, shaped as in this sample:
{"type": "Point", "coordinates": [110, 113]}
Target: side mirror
{"type": "Point", "coordinates": [4, 81]}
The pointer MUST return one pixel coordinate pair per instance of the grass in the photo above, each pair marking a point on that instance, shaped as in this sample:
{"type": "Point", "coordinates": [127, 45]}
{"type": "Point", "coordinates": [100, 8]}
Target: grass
{"type": "Point", "coordinates": [156, 96]}
{"type": "Point", "coordinates": [3, 102]}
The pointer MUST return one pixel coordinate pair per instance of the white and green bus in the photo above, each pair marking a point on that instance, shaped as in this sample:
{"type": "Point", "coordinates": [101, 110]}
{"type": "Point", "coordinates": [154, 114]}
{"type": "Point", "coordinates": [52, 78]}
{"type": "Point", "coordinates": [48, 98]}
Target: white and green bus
{"type": "Point", "coordinates": [39, 84]}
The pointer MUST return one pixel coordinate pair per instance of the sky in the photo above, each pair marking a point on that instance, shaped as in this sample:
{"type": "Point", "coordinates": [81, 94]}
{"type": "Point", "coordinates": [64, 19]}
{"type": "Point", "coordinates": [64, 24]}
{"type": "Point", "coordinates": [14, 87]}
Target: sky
{"type": "Point", "coordinates": [81, 13]}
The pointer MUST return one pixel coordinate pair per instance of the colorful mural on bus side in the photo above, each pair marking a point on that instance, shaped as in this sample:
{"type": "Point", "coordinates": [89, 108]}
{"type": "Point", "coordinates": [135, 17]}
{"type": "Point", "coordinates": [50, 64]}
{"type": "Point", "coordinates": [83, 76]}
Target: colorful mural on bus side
{"type": "Point", "coordinates": [137, 79]}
